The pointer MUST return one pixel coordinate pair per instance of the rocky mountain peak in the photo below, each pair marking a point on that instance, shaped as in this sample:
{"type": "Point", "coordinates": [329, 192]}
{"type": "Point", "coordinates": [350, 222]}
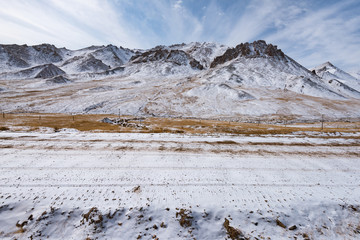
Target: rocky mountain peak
{"type": "Point", "coordinates": [162, 53]}
{"type": "Point", "coordinates": [325, 66]}
{"type": "Point", "coordinates": [249, 50]}
{"type": "Point", "coordinates": [49, 70]}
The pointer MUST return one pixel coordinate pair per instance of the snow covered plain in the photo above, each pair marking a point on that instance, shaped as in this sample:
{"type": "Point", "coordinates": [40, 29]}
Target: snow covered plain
{"type": "Point", "coordinates": [81, 185]}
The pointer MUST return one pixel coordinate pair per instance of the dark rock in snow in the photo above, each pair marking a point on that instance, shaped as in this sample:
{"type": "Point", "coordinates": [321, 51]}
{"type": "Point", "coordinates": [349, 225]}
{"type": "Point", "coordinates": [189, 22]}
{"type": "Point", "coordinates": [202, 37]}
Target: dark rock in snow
{"type": "Point", "coordinates": [23, 56]}
{"type": "Point", "coordinates": [159, 53]}
{"type": "Point", "coordinates": [92, 64]}
{"type": "Point", "coordinates": [58, 80]}
{"type": "Point", "coordinates": [249, 50]}
{"type": "Point", "coordinates": [49, 70]}
{"type": "Point", "coordinates": [94, 106]}
{"type": "Point", "coordinates": [292, 228]}
{"type": "Point", "coordinates": [107, 120]}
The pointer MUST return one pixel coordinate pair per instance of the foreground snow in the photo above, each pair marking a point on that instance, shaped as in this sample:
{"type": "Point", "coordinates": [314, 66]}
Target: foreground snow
{"type": "Point", "coordinates": [74, 185]}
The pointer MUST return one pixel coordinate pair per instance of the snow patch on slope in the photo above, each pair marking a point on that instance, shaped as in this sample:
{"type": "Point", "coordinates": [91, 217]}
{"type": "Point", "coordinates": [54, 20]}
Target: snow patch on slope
{"type": "Point", "coordinates": [328, 71]}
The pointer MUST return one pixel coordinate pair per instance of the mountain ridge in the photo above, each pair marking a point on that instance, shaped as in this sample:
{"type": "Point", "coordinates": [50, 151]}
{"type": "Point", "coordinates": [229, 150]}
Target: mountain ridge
{"type": "Point", "coordinates": [196, 79]}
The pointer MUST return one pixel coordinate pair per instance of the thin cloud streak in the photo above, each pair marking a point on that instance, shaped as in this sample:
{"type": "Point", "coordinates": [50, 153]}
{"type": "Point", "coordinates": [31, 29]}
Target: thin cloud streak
{"type": "Point", "coordinates": [259, 15]}
{"type": "Point", "coordinates": [308, 31]}
{"type": "Point", "coordinates": [36, 22]}
{"type": "Point", "coordinates": [331, 33]}
{"type": "Point", "coordinates": [74, 24]}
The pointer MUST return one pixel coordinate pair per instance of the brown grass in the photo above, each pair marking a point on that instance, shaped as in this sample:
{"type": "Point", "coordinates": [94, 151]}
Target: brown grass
{"type": "Point", "coordinates": [185, 218]}
{"type": "Point", "coordinates": [58, 121]}
{"type": "Point", "coordinates": [4, 129]}
{"type": "Point", "coordinates": [233, 233]}
{"type": "Point", "coordinates": [92, 122]}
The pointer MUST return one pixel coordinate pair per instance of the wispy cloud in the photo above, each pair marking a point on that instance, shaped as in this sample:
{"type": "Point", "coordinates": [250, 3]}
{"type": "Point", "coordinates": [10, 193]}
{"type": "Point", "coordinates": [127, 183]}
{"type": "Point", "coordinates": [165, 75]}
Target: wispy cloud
{"type": "Point", "coordinates": [330, 33]}
{"type": "Point", "coordinates": [258, 16]}
{"type": "Point", "coordinates": [177, 4]}
{"type": "Point", "coordinates": [309, 31]}
{"type": "Point", "coordinates": [162, 22]}
{"type": "Point", "coordinates": [71, 23]}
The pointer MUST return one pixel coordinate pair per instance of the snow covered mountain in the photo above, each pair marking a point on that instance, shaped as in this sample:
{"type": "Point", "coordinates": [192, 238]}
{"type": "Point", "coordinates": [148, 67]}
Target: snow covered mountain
{"type": "Point", "coordinates": [15, 58]}
{"type": "Point", "coordinates": [329, 72]}
{"type": "Point", "coordinates": [185, 80]}
{"type": "Point", "coordinates": [263, 65]}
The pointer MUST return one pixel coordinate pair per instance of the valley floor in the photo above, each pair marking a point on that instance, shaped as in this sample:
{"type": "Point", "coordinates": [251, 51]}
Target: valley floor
{"type": "Point", "coordinates": [82, 185]}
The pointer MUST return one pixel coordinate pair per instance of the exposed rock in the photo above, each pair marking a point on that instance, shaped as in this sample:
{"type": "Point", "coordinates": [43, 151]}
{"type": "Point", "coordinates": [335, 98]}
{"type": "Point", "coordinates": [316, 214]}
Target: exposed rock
{"type": "Point", "coordinates": [113, 56]}
{"type": "Point", "coordinates": [204, 52]}
{"type": "Point", "coordinates": [58, 80]}
{"type": "Point", "coordinates": [94, 106]}
{"type": "Point", "coordinates": [159, 53]}
{"type": "Point", "coordinates": [230, 54]}
{"type": "Point", "coordinates": [48, 71]}
{"type": "Point", "coordinates": [150, 56]}
{"type": "Point", "coordinates": [21, 56]}
{"type": "Point", "coordinates": [185, 218]}
{"type": "Point", "coordinates": [292, 228]}
{"type": "Point", "coordinates": [15, 55]}
{"type": "Point", "coordinates": [48, 53]}
{"type": "Point", "coordinates": [233, 233]}
{"type": "Point", "coordinates": [17, 62]}
{"type": "Point", "coordinates": [92, 64]}
{"type": "Point", "coordinates": [256, 49]}
{"type": "Point", "coordinates": [280, 224]}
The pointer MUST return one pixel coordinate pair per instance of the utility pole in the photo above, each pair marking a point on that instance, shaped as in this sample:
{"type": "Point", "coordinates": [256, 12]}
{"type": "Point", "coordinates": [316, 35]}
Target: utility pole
{"type": "Point", "coordinates": [322, 121]}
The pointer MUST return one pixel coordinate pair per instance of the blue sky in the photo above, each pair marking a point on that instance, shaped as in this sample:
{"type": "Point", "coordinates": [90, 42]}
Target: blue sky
{"type": "Point", "coordinates": [310, 31]}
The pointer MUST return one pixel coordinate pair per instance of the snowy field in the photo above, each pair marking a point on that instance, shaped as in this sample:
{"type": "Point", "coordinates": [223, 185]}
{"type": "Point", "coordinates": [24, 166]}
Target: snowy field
{"type": "Point", "coordinates": [80, 185]}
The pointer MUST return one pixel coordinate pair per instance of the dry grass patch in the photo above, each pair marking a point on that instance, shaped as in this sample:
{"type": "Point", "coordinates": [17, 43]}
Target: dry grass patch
{"type": "Point", "coordinates": [233, 233]}
{"type": "Point", "coordinates": [4, 129]}
{"type": "Point", "coordinates": [59, 121]}
{"type": "Point", "coordinates": [92, 122]}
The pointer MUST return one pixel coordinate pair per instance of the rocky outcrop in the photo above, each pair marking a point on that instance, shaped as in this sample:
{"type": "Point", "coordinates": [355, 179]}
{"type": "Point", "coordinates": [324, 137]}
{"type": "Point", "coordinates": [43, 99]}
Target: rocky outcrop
{"type": "Point", "coordinates": [22, 56]}
{"type": "Point", "coordinates": [92, 64]}
{"type": "Point", "coordinates": [15, 55]}
{"type": "Point", "coordinates": [160, 53]}
{"type": "Point", "coordinates": [230, 54]}
{"type": "Point", "coordinates": [113, 56]}
{"type": "Point", "coordinates": [48, 53]}
{"type": "Point", "coordinates": [49, 71]}
{"type": "Point", "coordinates": [155, 54]}
{"type": "Point", "coordinates": [249, 50]}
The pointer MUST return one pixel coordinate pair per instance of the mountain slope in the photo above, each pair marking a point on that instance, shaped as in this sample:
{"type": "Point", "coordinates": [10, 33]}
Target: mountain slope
{"type": "Point", "coordinates": [86, 63]}
{"type": "Point", "coordinates": [263, 65]}
{"type": "Point", "coordinates": [204, 52]}
{"type": "Point", "coordinates": [41, 71]}
{"type": "Point", "coordinates": [14, 57]}
{"type": "Point", "coordinates": [329, 72]}
{"type": "Point", "coordinates": [207, 80]}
